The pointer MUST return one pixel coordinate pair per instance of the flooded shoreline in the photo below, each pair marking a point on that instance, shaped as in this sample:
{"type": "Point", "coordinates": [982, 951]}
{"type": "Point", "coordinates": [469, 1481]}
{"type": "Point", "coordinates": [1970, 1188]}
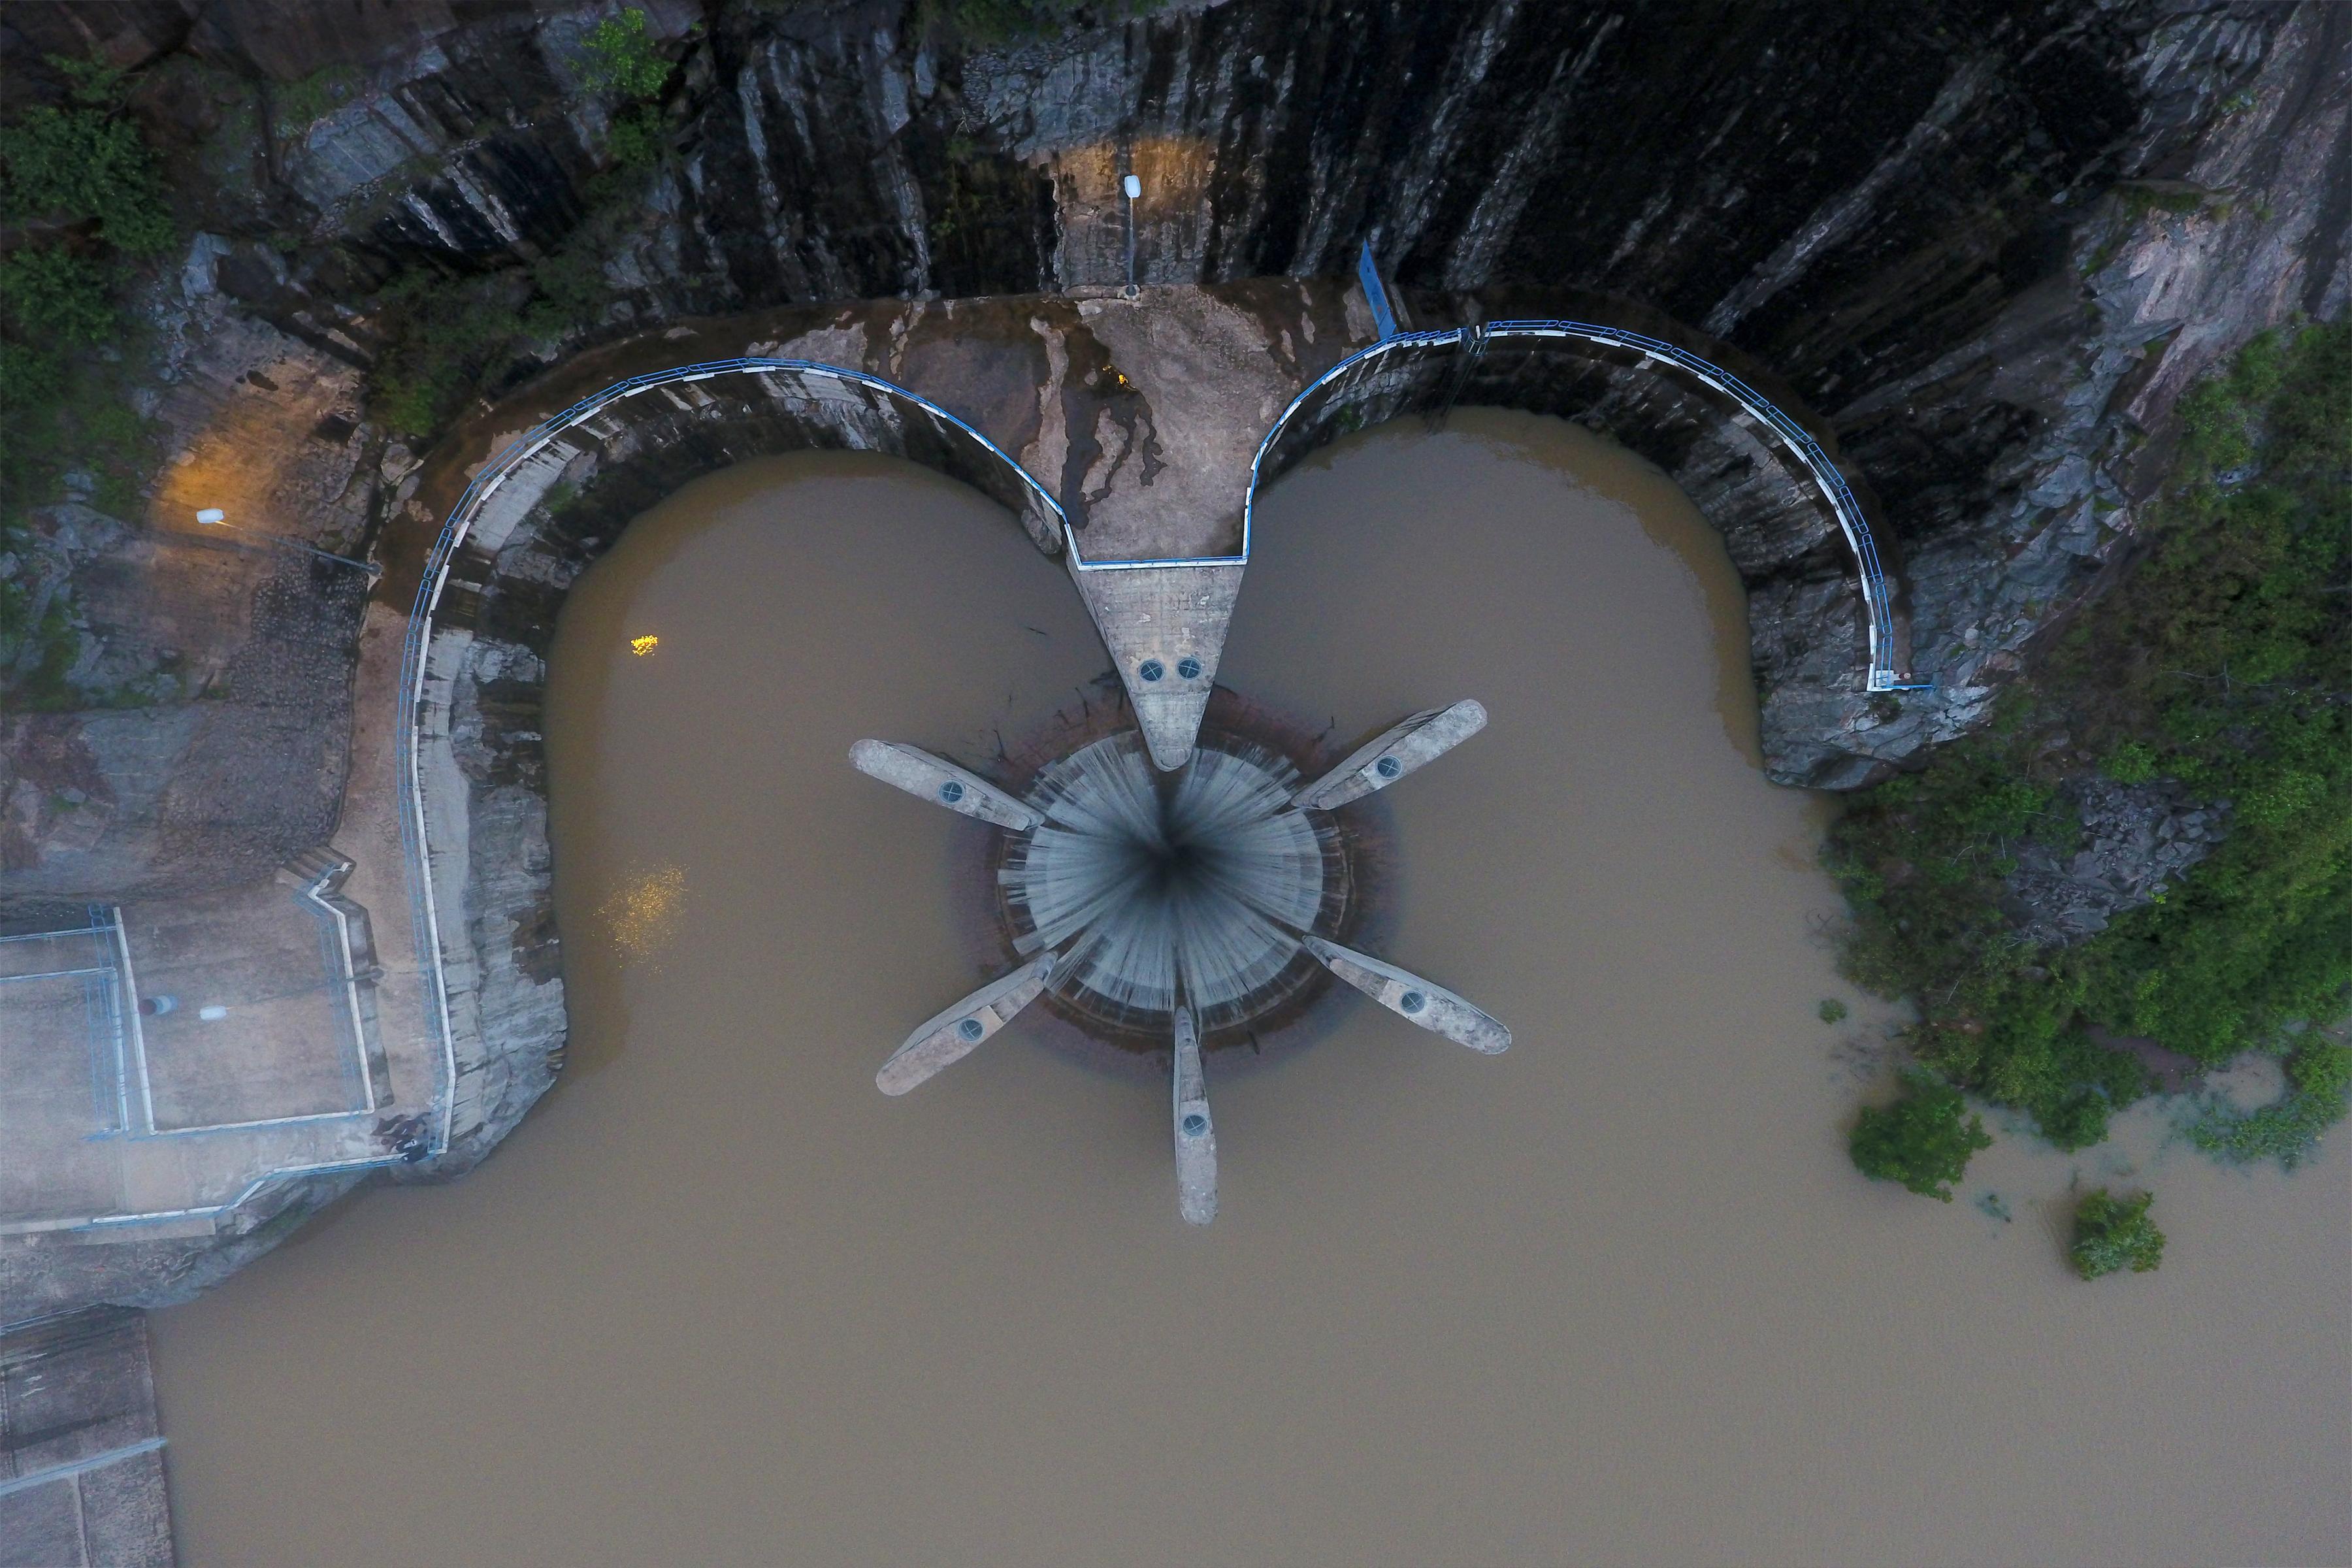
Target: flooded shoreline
{"type": "Point", "coordinates": [1614, 1297]}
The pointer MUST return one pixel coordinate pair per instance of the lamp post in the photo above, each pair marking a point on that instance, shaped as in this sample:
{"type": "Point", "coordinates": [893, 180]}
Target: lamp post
{"type": "Point", "coordinates": [1134, 189]}
{"type": "Point", "coordinates": [212, 517]}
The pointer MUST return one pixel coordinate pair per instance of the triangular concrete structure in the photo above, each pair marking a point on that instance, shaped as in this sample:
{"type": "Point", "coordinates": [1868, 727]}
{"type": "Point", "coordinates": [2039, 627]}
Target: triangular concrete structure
{"type": "Point", "coordinates": [1165, 628]}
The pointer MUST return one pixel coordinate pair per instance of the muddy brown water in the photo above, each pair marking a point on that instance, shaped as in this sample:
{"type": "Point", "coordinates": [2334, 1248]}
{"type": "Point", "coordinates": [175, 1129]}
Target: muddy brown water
{"type": "Point", "coordinates": [1615, 1297]}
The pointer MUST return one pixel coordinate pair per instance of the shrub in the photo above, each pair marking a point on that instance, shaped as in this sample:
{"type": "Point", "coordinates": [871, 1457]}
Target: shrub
{"type": "Point", "coordinates": [1924, 1140]}
{"type": "Point", "coordinates": [84, 163]}
{"type": "Point", "coordinates": [49, 292]}
{"type": "Point", "coordinates": [2319, 1080]}
{"type": "Point", "coordinates": [2132, 763]}
{"type": "Point", "coordinates": [1832, 1011]}
{"type": "Point", "coordinates": [2112, 1233]}
{"type": "Point", "coordinates": [622, 59]}
{"type": "Point", "coordinates": [635, 139]}
{"type": "Point", "coordinates": [2224, 661]}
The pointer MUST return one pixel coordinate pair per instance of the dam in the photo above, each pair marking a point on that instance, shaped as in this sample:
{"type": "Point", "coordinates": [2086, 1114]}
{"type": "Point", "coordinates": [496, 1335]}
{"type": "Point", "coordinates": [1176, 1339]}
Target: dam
{"type": "Point", "coordinates": [1016, 781]}
{"type": "Point", "coordinates": [1440, 1253]}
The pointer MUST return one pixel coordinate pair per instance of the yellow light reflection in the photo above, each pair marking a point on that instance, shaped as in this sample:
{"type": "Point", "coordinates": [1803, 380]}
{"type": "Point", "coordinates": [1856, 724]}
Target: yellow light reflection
{"type": "Point", "coordinates": [644, 646]}
{"type": "Point", "coordinates": [642, 913]}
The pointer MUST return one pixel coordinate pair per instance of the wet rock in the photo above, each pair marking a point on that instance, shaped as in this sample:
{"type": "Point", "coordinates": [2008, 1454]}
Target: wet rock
{"type": "Point", "coordinates": [2135, 842]}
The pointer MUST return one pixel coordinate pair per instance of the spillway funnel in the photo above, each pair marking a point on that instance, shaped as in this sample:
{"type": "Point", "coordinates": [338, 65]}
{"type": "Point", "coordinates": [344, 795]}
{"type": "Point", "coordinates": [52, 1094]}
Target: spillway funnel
{"type": "Point", "coordinates": [941, 783]}
{"type": "Point", "coordinates": [1196, 1133]}
{"type": "Point", "coordinates": [1412, 998]}
{"type": "Point", "coordinates": [958, 1032]}
{"type": "Point", "coordinates": [1165, 627]}
{"type": "Point", "coordinates": [1414, 743]}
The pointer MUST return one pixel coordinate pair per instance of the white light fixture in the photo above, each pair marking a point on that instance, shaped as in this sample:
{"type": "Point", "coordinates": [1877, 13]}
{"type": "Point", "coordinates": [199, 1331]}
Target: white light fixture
{"type": "Point", "coordinates": [1134, 188]}
{"type": "Point", "coordinates": [212, 514]}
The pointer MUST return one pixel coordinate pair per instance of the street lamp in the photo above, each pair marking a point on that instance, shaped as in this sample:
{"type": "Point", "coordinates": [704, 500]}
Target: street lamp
{"type": "Point", "coordinates": [214, 517]}
{"type": "Point", "coordinates": [1134, 189]}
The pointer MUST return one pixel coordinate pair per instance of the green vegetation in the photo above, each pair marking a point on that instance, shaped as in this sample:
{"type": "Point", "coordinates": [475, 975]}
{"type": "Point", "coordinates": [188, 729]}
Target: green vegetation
{"type": "Point", "coordinates": [299, 105]}
{"type": "Point", "coordinates": [79, 185]}
{"type": "Point", "coordinates": [1924, 1140]}
{"type": "Point", "coordinates": [2224, 662]}
{"type": "Point", "coordinates": [2112, 1233]}
{"type": "Point", "coordinates": [1832, 1011]}
{"type": "Point", "coordinates": [85, 164]}
{"type": "Point", "coordinates": [2318, 1078]}
{"type": "Point", "coordinates": [622, 59]}
{"type": "Point", "coordinates": [453, 337]}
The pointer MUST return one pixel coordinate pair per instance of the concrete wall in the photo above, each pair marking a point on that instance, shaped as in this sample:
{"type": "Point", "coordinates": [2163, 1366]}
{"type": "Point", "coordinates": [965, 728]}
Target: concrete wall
{"type": "Point", "coordinates": [1808, 616]}
{"type": "Point", "coordinates": [474, 773]}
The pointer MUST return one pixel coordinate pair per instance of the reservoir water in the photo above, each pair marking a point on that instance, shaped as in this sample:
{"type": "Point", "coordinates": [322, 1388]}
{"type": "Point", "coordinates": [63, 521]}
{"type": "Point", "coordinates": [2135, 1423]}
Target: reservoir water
{"type": "Point", "coordinates": [1616, 1295]}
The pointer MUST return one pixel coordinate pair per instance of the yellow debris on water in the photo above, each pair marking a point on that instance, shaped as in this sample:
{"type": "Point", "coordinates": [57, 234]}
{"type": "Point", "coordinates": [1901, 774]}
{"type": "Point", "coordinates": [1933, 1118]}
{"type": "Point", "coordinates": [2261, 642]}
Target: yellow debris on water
{"type": "Point", "coordinates": [644, 646]}
{"type": "Point", "coordinates": [642, 913]}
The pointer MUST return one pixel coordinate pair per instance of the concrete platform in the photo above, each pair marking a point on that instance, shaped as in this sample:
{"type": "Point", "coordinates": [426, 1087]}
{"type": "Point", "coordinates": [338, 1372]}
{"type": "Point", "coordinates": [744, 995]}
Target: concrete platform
{"type": "Point", "coordinates": [81, 1456]}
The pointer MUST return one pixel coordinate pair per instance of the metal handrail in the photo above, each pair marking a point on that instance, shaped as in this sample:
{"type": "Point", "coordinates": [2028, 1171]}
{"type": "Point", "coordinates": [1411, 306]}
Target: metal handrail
{"type": "Point", "coordinates": [424, 912]}
{"type": "Point", "coordinates": [1876, 596]}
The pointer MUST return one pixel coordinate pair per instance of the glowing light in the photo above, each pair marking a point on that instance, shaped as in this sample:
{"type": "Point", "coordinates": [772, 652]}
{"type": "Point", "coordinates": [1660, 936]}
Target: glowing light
{"type": "Point", "coordinates": [644, 646]}
{"type": "Point", "coordinates": [642, 913]}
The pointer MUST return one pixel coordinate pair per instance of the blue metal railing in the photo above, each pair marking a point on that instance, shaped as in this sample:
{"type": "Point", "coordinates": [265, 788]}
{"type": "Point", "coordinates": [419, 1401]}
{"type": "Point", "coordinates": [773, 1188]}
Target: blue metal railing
{"type": "Point", "coordinates": [1367, 275]}
{"type": "Point", "coordinates": [422, 912]}
{"type": "Point", "coordinates": [1876, 593]}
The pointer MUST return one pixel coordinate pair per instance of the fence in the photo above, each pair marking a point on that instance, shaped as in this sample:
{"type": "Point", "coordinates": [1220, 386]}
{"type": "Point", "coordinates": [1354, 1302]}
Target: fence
{"type": "Point", "coordinates": [1876, 592]}
{"type": "Point", "coordinates": [422, 909]}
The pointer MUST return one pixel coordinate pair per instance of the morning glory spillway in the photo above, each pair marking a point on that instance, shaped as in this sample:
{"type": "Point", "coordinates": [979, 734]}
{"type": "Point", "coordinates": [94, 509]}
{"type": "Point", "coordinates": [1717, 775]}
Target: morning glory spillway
{"type": "Point", "coordinates": [1197, 887]}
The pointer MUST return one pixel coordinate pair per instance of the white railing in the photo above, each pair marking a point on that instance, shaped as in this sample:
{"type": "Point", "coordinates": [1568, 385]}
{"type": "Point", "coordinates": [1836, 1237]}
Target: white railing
{"type": "Point", "coordinates": [423, 909]}
{"type": "Point", "coordinates": [1882, 674]}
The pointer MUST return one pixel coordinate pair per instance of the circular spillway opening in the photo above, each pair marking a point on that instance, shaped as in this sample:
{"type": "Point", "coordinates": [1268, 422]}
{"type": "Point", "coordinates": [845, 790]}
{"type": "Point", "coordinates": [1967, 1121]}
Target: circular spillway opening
{"type": "Point", "coordinates": [1195, 1124]}
{"type": "Point", "coordinates": [1156, 888]}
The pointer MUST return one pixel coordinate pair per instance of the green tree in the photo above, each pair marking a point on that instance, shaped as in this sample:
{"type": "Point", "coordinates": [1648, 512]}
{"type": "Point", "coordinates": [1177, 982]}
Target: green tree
{"type": "Point", "coordinates": [1924, 1140]}
{"type": "Point", "coordinates": [622, 59]}
{"type": "Point", "coordinates": [2112, 1233]}
{"type": "Point", "coordinates": [85, 163]}
{"type": "Point", "coordinates": [2223, 662]}
{"type": "Point", "coordinates": [48, 293]}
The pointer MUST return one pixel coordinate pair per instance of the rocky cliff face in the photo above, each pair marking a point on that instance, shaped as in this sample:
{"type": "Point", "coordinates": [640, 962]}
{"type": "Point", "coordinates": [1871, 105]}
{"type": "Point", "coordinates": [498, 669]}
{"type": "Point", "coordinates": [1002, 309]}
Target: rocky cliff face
{"type": "Point", "coordinates": [1986, 242]}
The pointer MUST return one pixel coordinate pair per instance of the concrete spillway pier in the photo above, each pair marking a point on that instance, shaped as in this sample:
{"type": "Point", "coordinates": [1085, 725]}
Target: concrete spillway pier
{"type": "Point", "coordinates": [941, 783]}
{"type": "Point", "coordinates": [1413, 999]}
{"type": "Point", "coordinates": [1165, 627]}
{"type": "Point", "coordinates": [1400, 750]}
{"type": "Point", "coordinates": [1195, 1129]}
{"type": "Point", "coordinates": [1158, 902]}
{"type": "Point", "coordinates": [955, 1034]}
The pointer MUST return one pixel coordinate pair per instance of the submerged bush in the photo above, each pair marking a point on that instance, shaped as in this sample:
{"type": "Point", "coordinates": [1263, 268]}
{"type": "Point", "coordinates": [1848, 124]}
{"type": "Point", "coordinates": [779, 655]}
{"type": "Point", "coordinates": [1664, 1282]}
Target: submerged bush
{"type": "Point", "coordinates": [2319, 1080]}
{"type": "Point", "coordinates": [2112, 1233]}
{"type": "Point", "coordinates": [1924, 1140]}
